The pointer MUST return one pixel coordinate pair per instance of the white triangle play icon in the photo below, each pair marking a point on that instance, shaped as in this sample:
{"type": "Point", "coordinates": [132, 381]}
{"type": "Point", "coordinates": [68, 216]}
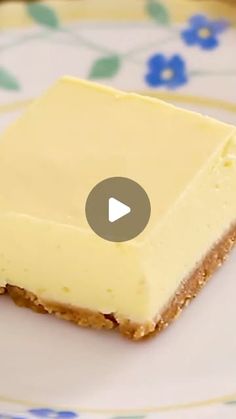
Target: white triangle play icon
{"type": "Point", "coordinates": [117, 210]}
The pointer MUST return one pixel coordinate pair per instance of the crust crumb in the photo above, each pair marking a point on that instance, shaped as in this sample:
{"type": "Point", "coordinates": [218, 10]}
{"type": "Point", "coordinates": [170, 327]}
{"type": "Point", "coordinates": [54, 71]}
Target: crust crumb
{"type": "Point", "coordinates": [184, 295]}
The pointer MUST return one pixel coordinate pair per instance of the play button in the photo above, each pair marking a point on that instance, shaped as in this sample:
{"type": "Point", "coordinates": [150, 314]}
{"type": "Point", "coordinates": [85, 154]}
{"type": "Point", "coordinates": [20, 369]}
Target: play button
{"type": "Point", "coordinates": [118, 209]}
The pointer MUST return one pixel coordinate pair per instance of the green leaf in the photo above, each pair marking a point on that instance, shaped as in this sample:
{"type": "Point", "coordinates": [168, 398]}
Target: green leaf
{"type": "Point", "coordinates": [42, 14]}
{"type": "Point", "coordinates": [7, 80]}
{"type": "Point", "coordinates": [158, 12]}
{"type": "Point", "coordinates": [105, 67]}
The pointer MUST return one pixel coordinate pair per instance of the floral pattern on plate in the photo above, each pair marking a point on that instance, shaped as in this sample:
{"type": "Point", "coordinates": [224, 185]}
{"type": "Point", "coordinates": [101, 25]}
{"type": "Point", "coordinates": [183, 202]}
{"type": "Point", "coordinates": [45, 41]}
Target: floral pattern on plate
{"type": "Point", "coordinates": [168, 72]}
{"type": "Point", "coordinates": [180, 56]}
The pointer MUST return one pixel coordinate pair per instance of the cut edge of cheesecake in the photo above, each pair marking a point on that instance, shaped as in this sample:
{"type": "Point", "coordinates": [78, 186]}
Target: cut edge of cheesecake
{"type": "Point", "coordinates": [184, 295]}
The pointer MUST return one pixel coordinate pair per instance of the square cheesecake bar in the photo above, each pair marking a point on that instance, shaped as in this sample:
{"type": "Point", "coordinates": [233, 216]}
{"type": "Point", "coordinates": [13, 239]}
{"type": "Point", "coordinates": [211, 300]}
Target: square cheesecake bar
{"type": "Point", "coordinates": [77, 134]}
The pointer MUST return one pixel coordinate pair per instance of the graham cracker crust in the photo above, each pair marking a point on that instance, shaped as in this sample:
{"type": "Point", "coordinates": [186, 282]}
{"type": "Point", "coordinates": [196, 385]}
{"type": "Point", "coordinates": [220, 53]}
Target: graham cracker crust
{"type": "Point", "coordinates": [86, 318]}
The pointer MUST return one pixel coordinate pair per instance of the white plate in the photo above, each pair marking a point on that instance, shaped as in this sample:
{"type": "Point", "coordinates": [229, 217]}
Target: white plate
{"type": "Point", "coordinates": [189, 371]}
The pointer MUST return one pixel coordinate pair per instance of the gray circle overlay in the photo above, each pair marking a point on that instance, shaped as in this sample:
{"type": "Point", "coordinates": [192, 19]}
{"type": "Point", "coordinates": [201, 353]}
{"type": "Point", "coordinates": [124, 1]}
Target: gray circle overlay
{"type": "Point", "coordinates": [128, 192]}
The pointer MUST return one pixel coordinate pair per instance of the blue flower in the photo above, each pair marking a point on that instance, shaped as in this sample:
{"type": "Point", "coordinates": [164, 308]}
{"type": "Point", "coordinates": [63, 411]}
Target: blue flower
{"type": "Point", "coordinates": [50, 413]}
{"type": "Point", "coordinates": [204, 32]}
{"type": "Point", "coordinates": [170, 73]}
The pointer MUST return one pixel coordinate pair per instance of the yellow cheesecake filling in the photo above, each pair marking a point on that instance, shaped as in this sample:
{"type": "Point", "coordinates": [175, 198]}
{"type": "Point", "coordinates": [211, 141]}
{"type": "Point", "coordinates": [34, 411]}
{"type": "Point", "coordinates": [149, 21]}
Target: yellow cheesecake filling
{"type": "Point", "coordinates": [75, 136]}
{"type": "Point", "coordinates": [134, 280]}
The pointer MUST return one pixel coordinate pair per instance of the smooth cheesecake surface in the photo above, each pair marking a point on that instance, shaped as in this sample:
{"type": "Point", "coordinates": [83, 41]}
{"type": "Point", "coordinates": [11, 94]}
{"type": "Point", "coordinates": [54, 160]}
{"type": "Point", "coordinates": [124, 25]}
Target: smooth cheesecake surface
{"type": "Point", "coordinates": [78, 134]}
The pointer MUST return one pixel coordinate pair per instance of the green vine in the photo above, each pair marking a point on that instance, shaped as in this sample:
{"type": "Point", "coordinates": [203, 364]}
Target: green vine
{"type": "Point", "coordinates": [7, 80]}
{"type": "Point", "coordinates": [110, 62]}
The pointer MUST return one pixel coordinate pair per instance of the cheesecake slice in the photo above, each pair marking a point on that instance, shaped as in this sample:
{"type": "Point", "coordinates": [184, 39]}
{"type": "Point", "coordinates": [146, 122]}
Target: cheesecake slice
{"type": "Point", "coordinates": [73, 137]}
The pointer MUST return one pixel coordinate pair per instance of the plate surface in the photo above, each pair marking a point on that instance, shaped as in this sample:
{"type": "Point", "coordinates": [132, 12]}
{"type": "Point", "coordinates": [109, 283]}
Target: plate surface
{"type": "Point", "coordinates": [50, 368]}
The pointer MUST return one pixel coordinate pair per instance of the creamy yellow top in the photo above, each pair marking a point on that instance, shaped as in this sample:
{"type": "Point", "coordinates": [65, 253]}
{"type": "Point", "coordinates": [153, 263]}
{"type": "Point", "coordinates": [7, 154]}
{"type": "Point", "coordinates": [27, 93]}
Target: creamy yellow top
{"type": "Point", "coordinates": [80, 133]}
{"type": "Point", "coordinates": [76, 135]}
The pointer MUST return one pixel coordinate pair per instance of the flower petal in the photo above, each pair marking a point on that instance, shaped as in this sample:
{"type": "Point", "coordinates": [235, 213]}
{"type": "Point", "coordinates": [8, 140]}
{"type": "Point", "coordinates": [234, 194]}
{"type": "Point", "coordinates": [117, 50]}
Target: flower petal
{"type": "Point", "coordinates": [42, 413]}
{"type": "Point", "coordinates": [219, 26]}
{"type": "Point", "coordinates": [208, 43]}
{"type": "Point", "coordinates": [189, 36]}
{"type": "Point", "coordinates": [153, 79]}
{"type": "Point", "coordinates": [157, 62]}
{"type": "Point", "coordinates": [176, 63]}
{"type": "Point", "coordinates": [177, 80]}
{"type": "Point", "coordinates": [66, 415]}
{"type": "Point", "coordinates": [199, 20]}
